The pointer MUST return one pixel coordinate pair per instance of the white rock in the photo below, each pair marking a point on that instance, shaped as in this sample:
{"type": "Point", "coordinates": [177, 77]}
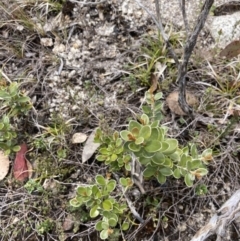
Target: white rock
{"type": "Point", "coordinates": [228, 26]}
{"type": "Point", "coordinates": [48, 42]}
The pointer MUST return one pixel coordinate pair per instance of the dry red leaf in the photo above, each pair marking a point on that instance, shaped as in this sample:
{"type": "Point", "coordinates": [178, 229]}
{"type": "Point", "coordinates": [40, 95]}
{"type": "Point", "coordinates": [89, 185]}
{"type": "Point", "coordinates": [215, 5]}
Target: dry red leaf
{"type": "Point", "coordinates": [20, 168]}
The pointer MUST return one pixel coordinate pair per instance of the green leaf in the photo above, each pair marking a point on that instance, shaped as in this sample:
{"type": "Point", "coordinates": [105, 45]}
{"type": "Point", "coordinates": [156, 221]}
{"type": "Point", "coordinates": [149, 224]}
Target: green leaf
{"type": "Point", "coordinates": [149, 171]}
{"type": "Point", "coordinates": [193, 151]}
{"type": "Point", "coordinates": [158, 158]}
{"type": "Point", "coordinates": [177, 173]}
{"type": "Point", "coordinates": [94, 211]}
{"type": "Point", "coordinates": [84, 191]}
{"type": "Point", "coordinates": [75, 203]}
{"type": "Point", "coordinates": [96, 192]}
{"type": "Point", "coordinates": [23, 99]}
{"type": "Point", "coordinates": [100, 180]}
{"type": "Point", "coordinates": [125, 226]}
{"type": "Point", "coordinates": [176, 156]}
{"type": "Point", "coordinates": [110, 214]}
{"type": "Point", "coordinates": [166, 171]}
{"type": "Point", "coordinates": [185, 150]}
{"type": "Point", "coordinates": [158, 107]}
{"type": "Point", "coordinates": [101, 157]}
{"type": "Point", "coordinates": [144, 161]}
{"type": "Point", "coordinates": [128, 166]}
{"type": "Point", "coordinates": [1, 126]}
{"type": "Point", "coordinates": [107, 205]}
{"type": "Point", "coordinates": [153, 146]}
{"type": "Point", "coordinates": [145, 154]}
{"type": "Point", "coordinates": [112, 222]}
{"type": "Point", "coordinates": [144, 119]}
{"type": "Point", "coordinates": [104, 151]}
{"type": "Point", "coordinates": [4, 95]}
{"type": "Point", "coordinates": [16, 148]}
{"type": "Point", "coordinates": [134, 124]}
{"type": "Point", "coordinates": [105, 225]}
{"type": "Point", "coordinates": [158, 96]}
{"type": "Point", "coordinates": [183, 161]}
{"type": "Point", "coordinates": [125, 135]}
{"type": "Point", "coordinates": [113, 157]}
{"type": "Point", "coordinates": [98, 226]}
{"type": "Point", "coordinates": [146, 109]}
{"type": "Point", "coordinates": [111, 185]}
{"type": "Point", "coordinates": [161, 178]}
{"type": "Point", "coordinates": [123, 181]}
{"type": "Point", "coordinates": [119, 142]}
{"type": "Point", "coordinates": [133, 147]}
{"type": "Point", "coordinates": [168, 163]}
{"type": "Point", "coordinates": [154, 134]}
{"type": "Point", "coordinates": [188, 179]}
{"type": "Point", "coordinates": [194, 164]}
{"type": "Point", "coordinates": [104, 234]}
{"type": "Point", "coordinates": [173, 145]}
{"type": "Point", "coordinates": [139, 140]}
{"type": "Point", "coordinates": [145, 132]}
{"type": "Point", "coordinates": [155, 124]}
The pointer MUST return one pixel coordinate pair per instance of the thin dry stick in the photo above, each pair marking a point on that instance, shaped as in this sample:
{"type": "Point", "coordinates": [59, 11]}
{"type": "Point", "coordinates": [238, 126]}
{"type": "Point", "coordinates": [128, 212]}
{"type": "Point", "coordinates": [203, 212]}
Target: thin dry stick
{"type": "Point", "coordinates": [182, 5]}
{"type": "Point", "coordinates": [218, 223]}
{"type": "Point", "coordinates": [191, 42]}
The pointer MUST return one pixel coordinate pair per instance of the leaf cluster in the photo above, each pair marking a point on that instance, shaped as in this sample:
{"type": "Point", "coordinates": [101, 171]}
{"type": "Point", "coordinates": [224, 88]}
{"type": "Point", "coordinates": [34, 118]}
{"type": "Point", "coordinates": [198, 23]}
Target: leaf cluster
{"type": "Point", "coordinates": [13, 103]}
{"type": "Point", "coordinates": [98, 199]}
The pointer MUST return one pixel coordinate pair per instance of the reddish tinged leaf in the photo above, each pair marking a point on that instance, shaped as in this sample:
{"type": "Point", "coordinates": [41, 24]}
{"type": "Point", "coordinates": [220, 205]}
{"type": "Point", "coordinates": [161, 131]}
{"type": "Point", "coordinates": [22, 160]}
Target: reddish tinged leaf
{"type": "Point", "coordinates": [20, 168]}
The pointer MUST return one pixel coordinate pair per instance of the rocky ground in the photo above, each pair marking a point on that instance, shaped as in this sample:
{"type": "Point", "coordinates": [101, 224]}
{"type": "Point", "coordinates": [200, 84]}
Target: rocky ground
{"type": "Point", "coordinates": [82, 64]}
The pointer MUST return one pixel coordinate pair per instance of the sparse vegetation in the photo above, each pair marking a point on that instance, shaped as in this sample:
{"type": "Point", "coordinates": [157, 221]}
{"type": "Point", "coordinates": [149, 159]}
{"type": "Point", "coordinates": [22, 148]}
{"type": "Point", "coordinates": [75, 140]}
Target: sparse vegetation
{"type": "Point", "coordinates": [65, 69]}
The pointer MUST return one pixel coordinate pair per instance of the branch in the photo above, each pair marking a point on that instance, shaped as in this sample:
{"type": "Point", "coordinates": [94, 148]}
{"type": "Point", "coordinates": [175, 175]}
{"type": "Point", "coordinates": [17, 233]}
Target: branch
{"type": "Point", "coordinates": [191, 42]}
{"type": "Point", "coordinates": [182, 5]}
{"type": "Point", "coordinates": [224, 216]}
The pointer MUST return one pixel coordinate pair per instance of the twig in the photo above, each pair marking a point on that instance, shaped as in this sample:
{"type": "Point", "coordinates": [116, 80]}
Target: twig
{"type": "Point", "coordinates": [88, 3]}
{"type": "Point", "coordinates": [190, 44]}
{"type": "Point", "coordinates": [229, 211]}
{"type": "Point", "coordinates": [182, 5]}
{"type": "Point", "coordinates": [5, 76]}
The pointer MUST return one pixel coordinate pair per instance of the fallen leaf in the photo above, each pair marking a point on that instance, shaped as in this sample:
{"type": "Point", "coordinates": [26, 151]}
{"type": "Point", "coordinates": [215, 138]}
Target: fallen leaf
{"type": "Point", "coordinates": [172, 102]}
{"type": "Point", "coordinates": [4, 163]}
{"type": "Point", "coordinates": [79, 138]}
{"type": "Point", "coordinates": [231, 50]}
{"type": "Point", "coordinates": [90, 147]}
{"type": "Point", "coordinates": [20, 168]}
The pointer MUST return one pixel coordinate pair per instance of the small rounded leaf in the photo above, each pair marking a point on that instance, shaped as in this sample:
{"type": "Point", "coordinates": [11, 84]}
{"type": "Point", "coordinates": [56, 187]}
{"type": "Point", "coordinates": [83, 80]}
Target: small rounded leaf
{"type": "Point", "coordinates": [145, 132]}
{"type": "Point", "coordinates": [100, 180]}
{"type": "Point", "coordinates": [107, 205]}
{"type": "Point", "coordinates": [166, 171]}
{"type": "Point", "coordinates": [188, 179]}
{"type": "Point", "coordinates": [111, 185]}
{"type": "Point", "coordinates": [125, 226]}
{"type": "Point", "coordinates": [94, 211]}
{"type": "Point", "coordinates": [98, 226]}
{"type": "Point", "coordinates": [125, 135]}
{"type": "Point", "coordinates": [153, 146]}
{"type": "Point", "coordinates": [177, 173]}
{"type": "Point", "coordinates": [104, 234]}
